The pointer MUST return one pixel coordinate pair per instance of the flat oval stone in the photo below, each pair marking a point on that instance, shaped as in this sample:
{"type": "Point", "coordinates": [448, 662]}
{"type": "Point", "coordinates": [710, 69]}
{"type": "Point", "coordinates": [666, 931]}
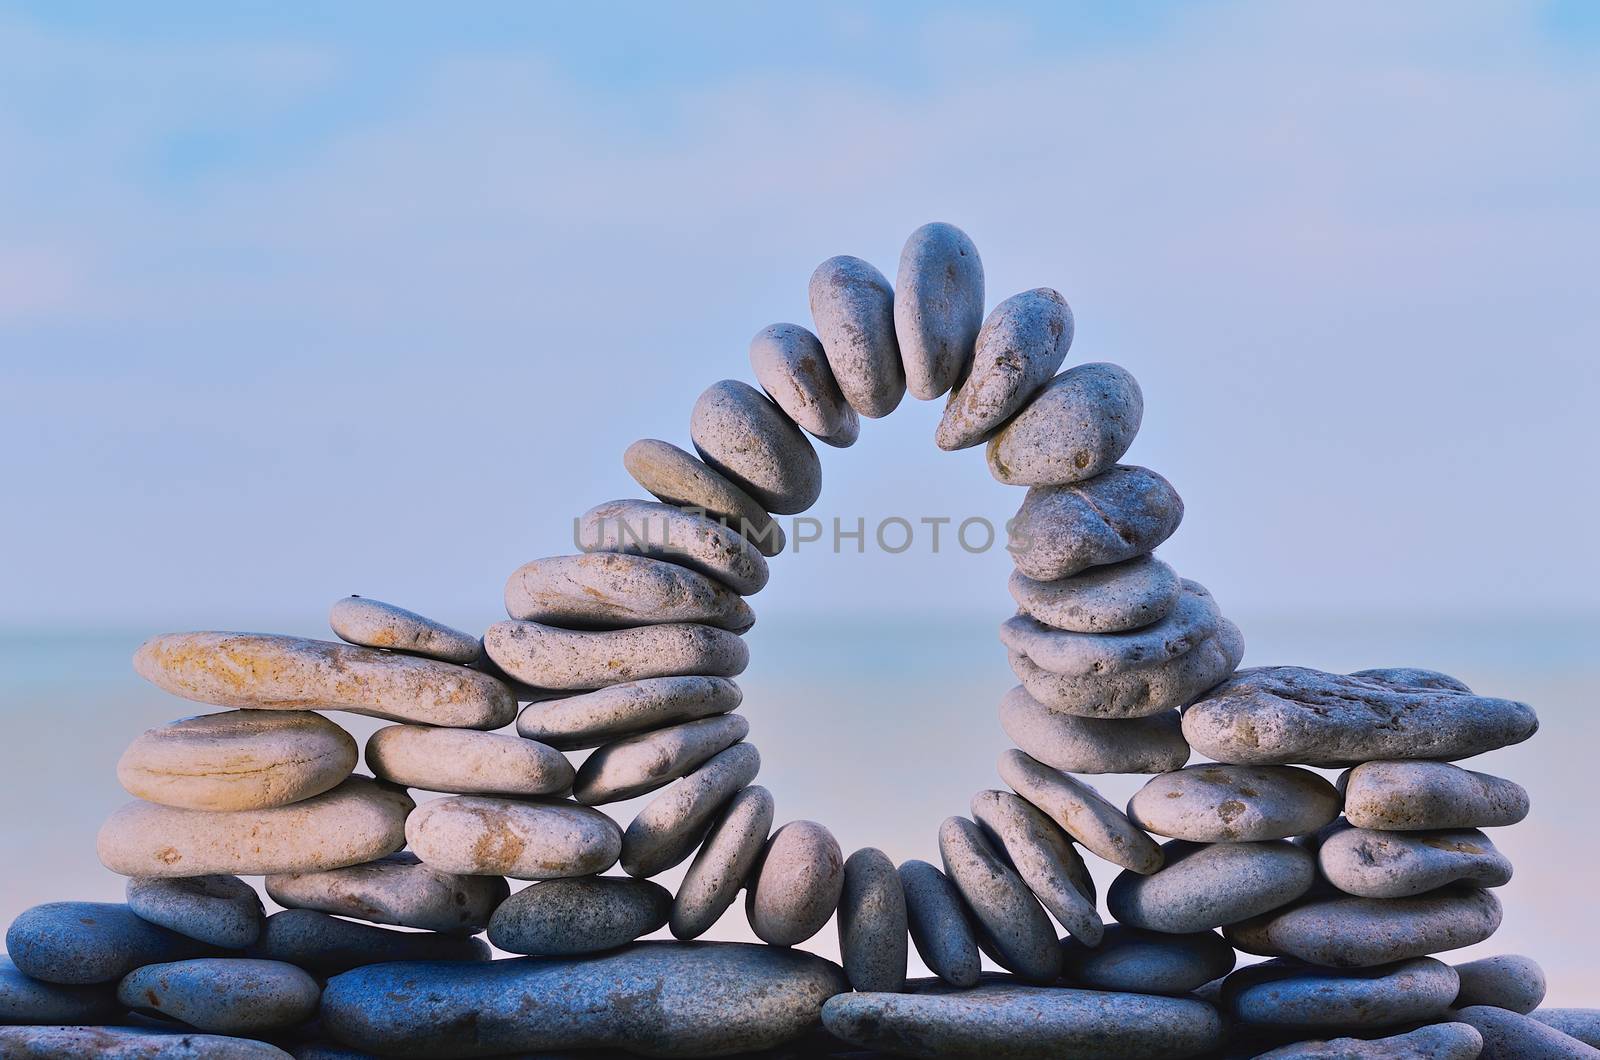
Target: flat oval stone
{"type": "Point", "coordinates": [399, 889]}
{"type": "Point", "coordinates": [730, 853]}
{"type": "Point", "coordinates": [587, 914]}
{"type": "Point", "coordinates": [1439, 1041]}
{"type": "Point", "coordinates": [1399, 864]}
{"type": "Point", "coordinates": [27, 1000]}
{"type": "Point", "coordinates": [479, 835]}
{"type": "Point", "coordinates": [466, 762]}
{"type": "Point", "coordinates": [1063, 530]}
{"type": "Point", "coordinates": [1044, 857]}
{"type": "Point", "coordinates": [1203, 886]}
{"type": "Point", "coordinates": [1009, 1021]}
{"type": "Point", "coordinates": [1012, 927]}
{"type": "Point", "coordinates": [76, 943]}
{"type": "Point", "coordinates": [1234, 804]}
{"type": "Point", "coordinates": [237, 760]}
{"type": "Point", "coordinates": [548, 657]}
{"type": "Point", "coordinates": [792, 368]}
{"type": "Point", "coordinates": [672, 824]}
{"type": "Point", "coordinates": [938, 922]}
{"type": "Point", "coordinates": [1290, 714]}
{"type": "Point", "coordinates": [1147, 962]}
{"type": "Point", "coordinates": [797, 886]}
{"type": "Point", "coordinates": [1078, 426]}
{"type": "Point", "coordinates": [852, 307]}
{"type": "Point", "coordinates": [327, 945]}
{"type": "Point", "coordinates": [614, 590]}
{"type": "Point", "coordinates": [675, 477]}
{"type": "Point", "coordinates": [1517, 1037]}
{"type": "Point", "coordinates": [938, 308]}
{"type": "Point", "coordinates": [375, 624]}
{"type": "Point", "coordinates": [1280, 993]}
{"type": "Point", "coordinates": [1082, 812]}
{"type": "Point", "coordinates": [268, 672]}
{"type": "Point", "coordinates": [1418, 796]}
{"type": "Point", "coordinates": [1580, 1023]}
{"type": "Point", "coordinates": [590, 719]}
{"type": "Point", "coordinates": [225, 995]}
{"type": "Point", "coordinates": [1346, 932]}
{"type": "Point", "coordinates": [638, 764]}
{"type": "Point", "coordinates": [660, 531]}
{"type": "Point", "coordinates": [1507, 980]}
{"type": "Point", "coordinates": [357, 821]}
{"type": "Point", "coordinates": [1021, 344]}
{"type": "Point", "coordinates": [872, 922]}
{"type": "Point", "coordinates": [129, 1043]}
{"type": "Point", "coordinates": [1107, 599]}
{"type": "Point", "coordinates": [749, 441]}
{"type": "Point", "coordinates": [1153, 744]}
{"type": "Point", "coordinates": [1083, 655]}
{"type": "Point", "coordinates": [218, 910]}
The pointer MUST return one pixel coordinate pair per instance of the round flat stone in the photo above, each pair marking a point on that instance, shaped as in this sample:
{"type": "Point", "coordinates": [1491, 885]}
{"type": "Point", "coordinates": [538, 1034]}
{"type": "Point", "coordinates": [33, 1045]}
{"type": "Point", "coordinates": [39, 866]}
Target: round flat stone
{"type": "Point", "coordinates": [1417, 796]}
{"type": "Point", "coordinates": [1137, 693]}
{"type": "Point", "coordinates": [660, 531]}
{"type": "Point", "coordinates": [674, 476]}
{"type": "Point", "coordinates": [399, 889]}
{"type": "Point", "coordinates": [327, 945]}
{"type": "Point", "coordinates": [1234, 804]}
{"type": "Point", "coordinates": [1146, 962]}
{"type": "Point", "coordinates": [238, 760]}
{"type": "Point", "coordinates": [1044, 857]}
{"type": "Point", "coordinates": [562, 918]}
{"type": "Point", "coordinates": [750, 442]}
{"type": "Point", "coordinates": [27, 1000]}
{"type": "Point", "coordinates": [1019, 347]}
{"type": "Point", "coordinates": [792, 368]}
{"type": "Point", "coordinates": [1439, 1041]}
{"type": "Point", "coordinates": [1347, 932]}
{"type": "Point", "coordinates": [77, 943]}
{"type": "Point", "coordinates": [1122, 513]}
{"type": "Point", "coordinates": [224, 995]}
{"type": "Point", "coordinates": [939, 926]}
{"type": "Point", "coordinates": [872, 922]}
{"type": "Point", "coordinates": [1011, 925]}
{"type": "Point", "coordinates": [1399, 864]}
{"type": "Point", "coordinates": [938, 308]}
{"type": "Point", "coordinates": [1517, 1037]}
{"type": "Point", "coordinates": [547, 657]}
{"type": "Point", "coordinates": [1109, 599]}
{"type": "Point", "coordinates": [1082, 812]}
{"type": "Point", "coordinates": [672, 824]}
{"type": "Point", "coordinates": [1206, 886]}
{"type": "Point", "coordinates": [375, 624]}
{"type": "Point", "coordinates": [466, 762]}
{"type": "Point", "coordinates": [264, 671]}
{"type": "Point", "coordinates": [1580, 1023]}
{"type": "Point", "coordinates": [796, 888]}
{"type": "Point", "coordinates": [638, 764]}
{"type": "Point", "coordinates": [730, 853]}
{"type": "Point", "coordinates": [218, 910]}
{"type": "Point", "coordinates": [1287, 993]}
{"type": "Point", "coordinates": [1152, 744]}
{"type": "Point", "coordinates": [129, 1043]}
{"type": "Point", "coordinates": [1086, 655]}
{"type": "Point", "coordinates": [1079, 425]}
{"type": "Point", "coordinates": [1507, 980]}
{"type": "Point", "coordinates": [480, 835]}
{"type": "Point", "coordinates": [592, 718]}
{"type": "Point", "coordinates": [615, 590]}
{"type": "Point", "coordinates": [357, 821]}
{"type": "Point", "coordinates": [852, 308]}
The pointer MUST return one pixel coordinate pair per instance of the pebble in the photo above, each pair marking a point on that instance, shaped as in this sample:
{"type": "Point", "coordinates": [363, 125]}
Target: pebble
{"type": "Point", "coordinates": [1286, 993]}
{"type": "Point", "coordinates": [730, 853]}
{"type": "Point", "coordinates": [674, 476]}
{"type": "Point", "coordinates": [750, 442]}
{"type": "Point", "coordinates": [1152, 744]}
{"type": "Point", "coordinates": [1207, 886]}
{"type": "Point", "coordinates": [1291, 714]}
{"type": "Point", "coordinates": [1085, 655]}
{"type": "Point", "coordinates": [27, 1000]}
{"type": "Point", "coordinates": [1399, 864]}
{"type": "Point", "coordinates": [237, 760]}
{"type": "Point", "coordinates": [1347, 932]}
{"type": "Point", "coordinates": [638, 764]}
{"type": "Point", "coordinates": [1234, 804]}
{"type": "Point", "coordinates": [466, 762]}
{"type": "Point", "coordinates": [938, 308]}
{"type": "Point", "coordinates": [271, 672]}
{"type": "Point", "coordinates": [1012, 927]}
{"type": "Point", "coordinates": [1438, 1041]}
{"type": "Point", "coordinates": [615, 590]}
{"type": "Point", "coordinates": [1417, 796]}
{"type": "Point", "coordinates": [224, 995]}
{"type": "Point", "coordinates": [1003, 1020]}
{"type": "Point", "coordinates": [526, 839]}
{"type": "Point", "coordinates": [797, 885]}
{"type": "Point", "coordinates": [792, 368]}
{"type": "Point", "coordinates": [668, 999]}
{"type": "Point", "coordinates": [327, 945]}
{"type": "Point", "coordinates": [872, 923]}
{"type": "Point", "coordinates": [1108, 599]}
{"type": "Point", "coordinates": [1021, 344]}
{"type": "Point", "coordinates": [399, 889]}
{"type": "Point", "coordinates": [937, 918]}
{"type": "Point", "coordinates": [1512, 1036]}
{"type": "Point", "coordinates": [672, 824]}
{"type": "Point", "coordinates": [852, 307]}
{"type": "Point", "coordinates": [660, 531]}
{"type": "Point", "coordinates": [1044, 857]}
{"type": "Point", "coordinates": [548, 657]}
{"type": "Point", "coordinates": [590, 719]}
{"type": "Point", "coordinates": [1147, 962]}
{"type": "Point", "coordinates": [1078, 426]}
{"type": "Point", "coordinates": [1580, 1023]}
{"type": "Point", "coordinates": [129, 1043]}
{"type": "Point", "coordinates": [1507, 980]}
{"type": "Point", "coordinates": [375, 624]}
{"type": "Point", "coordinates": [77, 943]}
{"type": "Point", "coordinates": [218, 910]}
{"type": "Point", "coordinates": [1082, 812]}
{"type": "Point", "coordinates": [587, 914]}
{"type": "Point", "coordinates": [1062, 530]}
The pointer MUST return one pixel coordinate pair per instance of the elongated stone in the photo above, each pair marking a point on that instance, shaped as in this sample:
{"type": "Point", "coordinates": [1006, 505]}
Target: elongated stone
{"type": "Point", "coordinates": [1506, 980]}
{"type": "Point", "coordinates": [375, 624]}
{"type": "Point", "coordinates": [129, 1043]}
{"type": "Point", "coordinates": [938, 308]}
{"type": "Point", "coordinates": [750, 442]}
{"type": "Point", "coordinates": [1517, 1037]}
{"type": "Point", "coordinates": [1146, 962]}
{"type": "Point", "coordinates": [218, 910]}
{"type": "Point", "coordinates": [547, 657]}
{"type": "Point", "coordinates": [1082, 812]}
{"type": "Point", "coordinates": [1153, 744]}
{"type": "Point", "coordinates": [586, 914]}
{"type": "Point", "coordinates": [796, 888]}
{"type": "Point", "coordinates": [27, 1000]}
{"type": "Point", "coordinates": [1420, 796]}
{"type": "Point", "coordinates": [660, 531]}
{"type": "Point", "coordinates": [1012, 927]}
{"type": "Point", "coordinates": [224, 995]}
{"type": "Point", "coordinates": [1288, 993]}
{"type": "Point", "coordinates": [466, 762]}
{"type": "Point", "coordinates": [1234, 804]}
{"type": "Point", "coordinates": [357, 821]}
{"type": "Point", "coordinates": [1078, 426]}
{"type": "Point", "coordinates": [1137, 693]}
{"type": "Point", "coordinates": [1399, 864]}
{"type": "Point", "coordinates": [78, 943]}
{"type": "Point", "coordinates": [1289, 714]}
{"type": "Point", "coordinates": [399, 889]}
{"type": "Point", "coordinates": [1044, 857]}
{"type": "Point", "coordinates": [792, 368]}
{"type": "Point", "coordinates": [1109, 599]}
{"type": "Point", "coordinates": [1439, 1041]}
{"type": "Point", "coordinates": [1580, 1023]}
{"type": "Point", "coordinates": [1207, 886]}
{"type": "Point", "coordinates": [672, 824]}
{"type": "Point", "coordinates": [1021, 344]}
{"type": "Point", "coordinates": [730, 853]}
{"type": "Point", "coordinates": [615, 590]}
{"type": "Point", "coordinates": [674, 476]}
{"type": "Point", "coordinates": [1122, 513]}
{"type": "Point", "coordinates": [327, 945]}
{"type": "Point", "coordinates": [872, 922]}
{"type": "Point", "coordinates": [938, 922]}
{"type": "Point", "coordinates": [654, 999]}
{"type": "Point", "coordinates": [590, 719]}
{"type": "Point", "coordinates": [479, 835]}
{"type": "Point", "coordinates": [1345, 932]}
{"type": "Point", "coordinates": [852, 308]}
{"type": "Point", "coordinates": [1086, 655]}
{"type": "Point", "coordinates": [638, 764]}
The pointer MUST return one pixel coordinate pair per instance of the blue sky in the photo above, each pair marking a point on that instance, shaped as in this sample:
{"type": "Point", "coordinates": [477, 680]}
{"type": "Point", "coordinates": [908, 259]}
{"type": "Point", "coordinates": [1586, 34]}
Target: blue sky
{"type": "Point", "coordinates": [369, 299]}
